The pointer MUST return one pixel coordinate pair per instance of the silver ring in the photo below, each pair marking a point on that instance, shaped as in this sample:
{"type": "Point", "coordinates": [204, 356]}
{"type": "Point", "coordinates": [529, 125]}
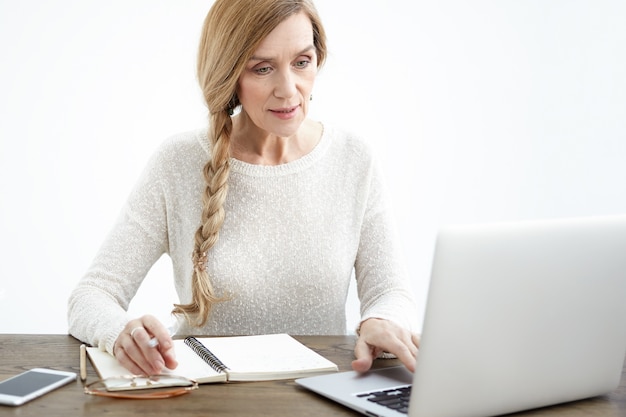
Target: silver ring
{"type": "Point", "coordinates": [132, 332]}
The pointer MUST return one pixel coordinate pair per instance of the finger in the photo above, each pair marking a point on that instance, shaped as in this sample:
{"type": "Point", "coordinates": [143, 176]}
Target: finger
{"type": "Point", "coordinates": [415, 339]}
{"type": "Point", "coordinates": [169, 356]}
{"type": "Point", "coordinates": [135, 346]}
{"type": "Point", "coordinates": [127, 361]}
{"type": "Point", "coordinates": [401, 346]}
{"type": "Point", "coordinates": [146, 357]}
{"type": "Point", "coordinates": [149, 358]}
{"type": "Point", "coordinates": [158, 332]}
{"type": "Point", "coordinates": [361, 365]}
{"type": "Point", "coordinates": [406, 357]}
{"type": "Point", "coordinates": [160, 339]}
{"type": "Point", "coordinates": [404, 348]}
{"type": "Point", "coordinates": [125, 346]}
{"type": "Point", "coordinates": [384, 336]}
{"type": "Point", "coordinates": [364, 356]}
{"type": "Point", "coordinates": [411, 341]}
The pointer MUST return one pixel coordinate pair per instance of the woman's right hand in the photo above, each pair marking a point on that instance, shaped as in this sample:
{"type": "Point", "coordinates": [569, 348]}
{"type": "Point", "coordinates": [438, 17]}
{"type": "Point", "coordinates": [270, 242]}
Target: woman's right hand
{"type": "Point", "coordinates": [134, 350]}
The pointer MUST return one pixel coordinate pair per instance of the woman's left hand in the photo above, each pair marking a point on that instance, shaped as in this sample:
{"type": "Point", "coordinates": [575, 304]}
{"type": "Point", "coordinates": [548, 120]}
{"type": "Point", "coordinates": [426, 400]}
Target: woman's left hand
{"type": "Point", "coordinates": [377, 336]}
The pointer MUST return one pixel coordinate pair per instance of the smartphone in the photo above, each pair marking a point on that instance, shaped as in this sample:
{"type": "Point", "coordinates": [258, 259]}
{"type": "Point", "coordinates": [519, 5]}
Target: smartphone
{"type": "Point", "coordinates": [31, 384]}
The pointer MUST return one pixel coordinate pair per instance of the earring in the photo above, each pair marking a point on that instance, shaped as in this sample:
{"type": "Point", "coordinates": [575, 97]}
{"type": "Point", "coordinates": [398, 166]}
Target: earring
{"type": "Point", "coordinates": [311, 97]}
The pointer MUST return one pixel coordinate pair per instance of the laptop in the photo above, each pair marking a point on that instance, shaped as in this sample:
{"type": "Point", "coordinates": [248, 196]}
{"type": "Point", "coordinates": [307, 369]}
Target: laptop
{"type": "Point", "coordinates": [519, 316]}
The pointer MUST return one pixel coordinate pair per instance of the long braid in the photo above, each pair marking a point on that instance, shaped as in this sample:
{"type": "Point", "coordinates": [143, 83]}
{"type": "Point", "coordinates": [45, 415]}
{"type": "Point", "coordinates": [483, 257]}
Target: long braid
{"type": "Point", "coordinates": [216, 172]}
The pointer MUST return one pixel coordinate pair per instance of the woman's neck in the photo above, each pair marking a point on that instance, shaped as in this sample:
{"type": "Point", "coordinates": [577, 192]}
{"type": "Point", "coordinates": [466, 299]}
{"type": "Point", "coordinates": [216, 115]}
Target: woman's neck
{"type": "Point", "coordinates": [256, 146]}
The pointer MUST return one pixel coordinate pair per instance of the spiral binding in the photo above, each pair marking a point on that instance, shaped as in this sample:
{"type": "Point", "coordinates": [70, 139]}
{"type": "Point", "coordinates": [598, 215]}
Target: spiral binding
{"type": "Point", "coordinates": [205, 354]}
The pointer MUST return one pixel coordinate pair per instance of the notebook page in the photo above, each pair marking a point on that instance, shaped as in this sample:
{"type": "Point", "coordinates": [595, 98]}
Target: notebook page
{"type": "Point", "coordinates": [266, 357]}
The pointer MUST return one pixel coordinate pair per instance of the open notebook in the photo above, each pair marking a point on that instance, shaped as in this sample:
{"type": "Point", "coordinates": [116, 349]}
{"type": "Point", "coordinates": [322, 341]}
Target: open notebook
{"type": "Point", "coordinates": [235, 358]}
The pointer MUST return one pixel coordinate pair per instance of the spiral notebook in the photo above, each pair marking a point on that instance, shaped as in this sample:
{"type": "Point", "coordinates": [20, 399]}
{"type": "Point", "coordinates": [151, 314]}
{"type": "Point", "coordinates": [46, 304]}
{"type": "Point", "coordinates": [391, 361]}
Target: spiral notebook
{"type": "Point", "coordinates": [233, 358]}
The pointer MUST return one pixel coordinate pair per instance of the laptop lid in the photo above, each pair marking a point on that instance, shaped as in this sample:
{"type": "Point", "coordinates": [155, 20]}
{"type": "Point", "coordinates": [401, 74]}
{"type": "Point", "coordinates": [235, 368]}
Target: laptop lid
{"type": "Point", "coordinates": [519, 315]}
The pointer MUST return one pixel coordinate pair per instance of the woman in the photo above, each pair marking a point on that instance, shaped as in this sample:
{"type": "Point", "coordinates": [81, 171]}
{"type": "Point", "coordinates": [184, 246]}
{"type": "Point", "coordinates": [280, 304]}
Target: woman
{"type": "Point", "coordinates": [276, 210]}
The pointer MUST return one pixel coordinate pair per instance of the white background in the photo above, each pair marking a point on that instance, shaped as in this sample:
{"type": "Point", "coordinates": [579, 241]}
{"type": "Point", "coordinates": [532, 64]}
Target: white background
{"type": "Point", "coordinates": [481, 110]}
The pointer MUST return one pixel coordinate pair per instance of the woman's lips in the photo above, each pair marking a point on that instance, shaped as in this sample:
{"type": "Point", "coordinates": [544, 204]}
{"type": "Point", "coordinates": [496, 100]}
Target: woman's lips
{"type": "Point", "coordinates": [285, 113]}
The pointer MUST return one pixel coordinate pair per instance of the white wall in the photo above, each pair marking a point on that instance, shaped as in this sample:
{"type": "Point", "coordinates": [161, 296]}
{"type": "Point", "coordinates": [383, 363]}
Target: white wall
{"type": "Point", "coordinates": [481, 110]}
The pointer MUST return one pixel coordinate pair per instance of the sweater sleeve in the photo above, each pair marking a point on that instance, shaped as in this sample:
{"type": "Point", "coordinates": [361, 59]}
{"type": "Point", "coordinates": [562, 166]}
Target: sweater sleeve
{"type": "Point", "coordinates": [382, 281]}
{"type": "Point", "coordinates": [97, 306]}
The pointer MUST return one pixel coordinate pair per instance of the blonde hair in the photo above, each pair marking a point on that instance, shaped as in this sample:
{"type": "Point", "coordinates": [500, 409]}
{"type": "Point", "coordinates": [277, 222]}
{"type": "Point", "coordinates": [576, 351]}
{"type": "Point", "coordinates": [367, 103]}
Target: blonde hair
{"type": "Point", "coordinates": [231, 33]}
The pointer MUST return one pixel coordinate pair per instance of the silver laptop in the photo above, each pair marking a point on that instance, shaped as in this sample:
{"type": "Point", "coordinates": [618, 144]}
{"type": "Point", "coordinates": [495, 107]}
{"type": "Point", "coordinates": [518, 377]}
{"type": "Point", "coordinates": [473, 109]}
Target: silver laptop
{"type": "Point", "coordinates": [519, 316]}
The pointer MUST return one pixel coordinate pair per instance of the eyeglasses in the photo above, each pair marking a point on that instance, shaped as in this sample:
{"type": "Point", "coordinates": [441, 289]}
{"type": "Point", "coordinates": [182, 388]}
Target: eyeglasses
{"type": "Point", "coordinates": [142, 387]}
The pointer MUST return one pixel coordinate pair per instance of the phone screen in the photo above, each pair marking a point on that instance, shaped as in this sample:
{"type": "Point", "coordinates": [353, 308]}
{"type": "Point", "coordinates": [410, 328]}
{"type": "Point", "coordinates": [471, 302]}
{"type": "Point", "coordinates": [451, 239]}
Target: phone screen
{"type": "Point", "coordinates": [28, 382]}
{"type": "Point", "coordinates": [32, 384]}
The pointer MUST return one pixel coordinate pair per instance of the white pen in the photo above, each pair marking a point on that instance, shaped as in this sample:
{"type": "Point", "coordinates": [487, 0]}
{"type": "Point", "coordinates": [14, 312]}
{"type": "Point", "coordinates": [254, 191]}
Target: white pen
{"type": "Point", "coordinates": [154, 342]}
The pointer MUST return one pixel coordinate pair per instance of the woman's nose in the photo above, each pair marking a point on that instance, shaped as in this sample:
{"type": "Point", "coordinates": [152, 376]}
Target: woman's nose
{"type": "Point", "coordinates": [285, 85]}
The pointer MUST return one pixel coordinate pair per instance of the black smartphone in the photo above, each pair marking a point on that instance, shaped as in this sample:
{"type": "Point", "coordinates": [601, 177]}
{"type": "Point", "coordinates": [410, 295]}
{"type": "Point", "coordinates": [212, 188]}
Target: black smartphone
{"type": "Point", "coordinates": [32, 384]}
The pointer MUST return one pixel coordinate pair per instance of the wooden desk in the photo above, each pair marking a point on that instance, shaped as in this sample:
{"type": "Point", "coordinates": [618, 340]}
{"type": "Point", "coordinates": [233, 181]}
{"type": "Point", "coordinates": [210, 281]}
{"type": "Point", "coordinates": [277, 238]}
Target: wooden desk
{"type": "Point", "coordinates": [275, 398]}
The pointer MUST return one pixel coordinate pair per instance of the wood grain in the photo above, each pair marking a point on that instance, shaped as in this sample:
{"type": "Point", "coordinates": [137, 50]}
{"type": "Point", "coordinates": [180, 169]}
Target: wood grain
{"type": "Point", "coordinates": [274, 398]}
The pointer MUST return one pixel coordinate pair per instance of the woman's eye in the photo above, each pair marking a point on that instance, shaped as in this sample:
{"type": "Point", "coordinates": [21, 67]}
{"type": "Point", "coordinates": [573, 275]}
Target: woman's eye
{"type": "Point", "coordinates": [302, 63]}
{"type": "Point", "coordinates": [262, 70]}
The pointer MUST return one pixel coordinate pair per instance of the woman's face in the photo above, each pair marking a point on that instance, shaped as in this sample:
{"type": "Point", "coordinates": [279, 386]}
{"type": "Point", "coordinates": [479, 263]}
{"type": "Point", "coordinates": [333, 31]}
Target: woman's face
{"type": "Point", "coordinates": [276, 84]}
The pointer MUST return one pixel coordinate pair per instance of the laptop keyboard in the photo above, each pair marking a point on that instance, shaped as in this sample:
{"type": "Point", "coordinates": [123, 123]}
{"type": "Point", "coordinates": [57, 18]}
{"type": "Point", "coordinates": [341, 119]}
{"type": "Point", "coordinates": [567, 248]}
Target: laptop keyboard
{"type": "Point", "coordinates": [396, 398]}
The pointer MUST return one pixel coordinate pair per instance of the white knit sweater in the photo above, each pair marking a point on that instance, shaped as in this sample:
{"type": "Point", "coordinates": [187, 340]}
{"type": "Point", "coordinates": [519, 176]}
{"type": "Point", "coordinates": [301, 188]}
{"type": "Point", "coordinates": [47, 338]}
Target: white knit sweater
{"type": "Point", "coordinates": [292, 238]}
